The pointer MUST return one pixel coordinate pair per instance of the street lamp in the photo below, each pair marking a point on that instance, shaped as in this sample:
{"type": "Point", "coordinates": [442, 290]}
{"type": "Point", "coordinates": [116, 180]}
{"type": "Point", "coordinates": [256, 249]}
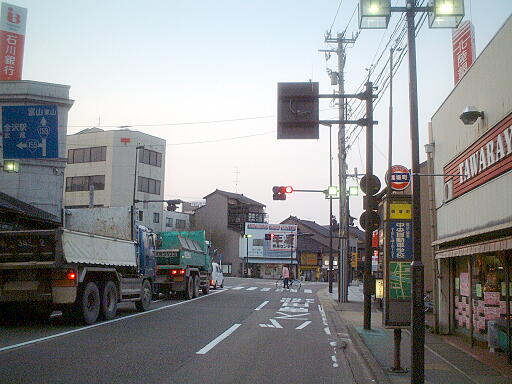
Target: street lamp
{"type": "Point", "coordinates": [135, 188]}
{"type": "Point", "coordinates": [442, 14]}
{"type": "Point", "coordinates": [246, 268]}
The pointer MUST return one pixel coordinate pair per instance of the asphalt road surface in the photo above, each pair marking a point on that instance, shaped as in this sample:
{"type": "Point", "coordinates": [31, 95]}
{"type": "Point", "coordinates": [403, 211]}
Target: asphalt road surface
{"type": "Point", "coordinates": [248, 332]}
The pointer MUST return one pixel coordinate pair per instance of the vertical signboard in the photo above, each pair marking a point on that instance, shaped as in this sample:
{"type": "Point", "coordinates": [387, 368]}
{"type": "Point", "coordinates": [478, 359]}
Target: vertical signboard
{"type": "Point", "coordinates": [13, 22]}
{"type": "Point", "coordinates": [463, 41]}
{"type": "Point", "coordinates": [398, 255]}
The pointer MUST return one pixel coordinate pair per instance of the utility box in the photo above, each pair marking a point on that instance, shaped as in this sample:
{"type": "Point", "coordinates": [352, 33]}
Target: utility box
{"type": "Point", "coordinates": [297, 111]}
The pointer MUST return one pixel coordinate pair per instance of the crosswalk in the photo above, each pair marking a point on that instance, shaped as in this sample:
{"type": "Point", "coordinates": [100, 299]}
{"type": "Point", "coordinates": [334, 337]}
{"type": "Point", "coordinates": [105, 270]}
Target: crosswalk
{"type": "Point", "coordinates": [245, 288]}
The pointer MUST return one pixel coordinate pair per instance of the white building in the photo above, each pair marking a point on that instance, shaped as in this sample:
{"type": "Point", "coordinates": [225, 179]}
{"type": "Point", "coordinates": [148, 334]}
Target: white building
{"type": "Point", "coordinates": [105, 162]}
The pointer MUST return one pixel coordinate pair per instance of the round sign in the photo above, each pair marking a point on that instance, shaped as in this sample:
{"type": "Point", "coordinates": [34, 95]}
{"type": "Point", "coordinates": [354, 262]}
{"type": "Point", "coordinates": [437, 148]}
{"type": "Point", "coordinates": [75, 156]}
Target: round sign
{"type": "Point", "coordinates": [400, 177]}
{"type": "Point", "coordinates": [373, 220]}
{"type": "Point", "coordinates": [374, 185]}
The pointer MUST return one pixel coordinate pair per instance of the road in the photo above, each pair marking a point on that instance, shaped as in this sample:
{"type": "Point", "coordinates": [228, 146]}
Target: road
{"type": "Point", "coordinates": [248, 332]}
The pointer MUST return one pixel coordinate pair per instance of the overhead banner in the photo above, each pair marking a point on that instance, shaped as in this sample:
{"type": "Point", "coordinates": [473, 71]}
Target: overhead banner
{"type": "Point", "coordinates": [13, 22]}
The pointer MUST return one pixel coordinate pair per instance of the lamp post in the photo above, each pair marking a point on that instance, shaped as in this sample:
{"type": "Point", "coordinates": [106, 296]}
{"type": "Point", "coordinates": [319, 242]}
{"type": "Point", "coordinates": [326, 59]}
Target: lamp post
{"type": "Point", "coordinates": [246, 267]}
{"type": "Point", "coordinates": [441, 14]}
{"type": "Point", "coordinates": [135, 188]}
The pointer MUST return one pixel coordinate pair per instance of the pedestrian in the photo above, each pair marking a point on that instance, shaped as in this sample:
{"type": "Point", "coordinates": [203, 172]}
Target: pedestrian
{"type": "Point", "coordinates": [286, 276]}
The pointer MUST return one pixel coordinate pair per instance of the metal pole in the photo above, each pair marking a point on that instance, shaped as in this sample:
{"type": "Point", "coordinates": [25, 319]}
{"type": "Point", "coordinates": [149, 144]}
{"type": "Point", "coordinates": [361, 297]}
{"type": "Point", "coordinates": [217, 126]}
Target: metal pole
{"type": "Point", "coordinates": [398, 340]}
{"type": "Point", "coordinates": [134, 191]}
{"type": "Point", "coordinates": [417, 268]}
{"type": "Point", "coordinates": [342, 155]}
{"type": "Point", "coordinates": [247, 258]}
{"type": "Point", "coordinates": [506, 259]}
{"type": "Point", "coordinates": [329, 277]}
{"type": "Point", "coordinates": [367, 304]}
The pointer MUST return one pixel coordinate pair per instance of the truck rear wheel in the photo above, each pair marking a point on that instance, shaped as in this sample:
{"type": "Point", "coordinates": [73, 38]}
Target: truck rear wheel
{"type": "Point", "coordinates": [89, 303]}
{"type": "Point", "coordinates": [189, 288]}
{"type": "Point", "coordinates": [145, 300]}
{"type": "Point", "coordinates": [109, 301]}
{"type": "Point", "coordinates": [196, 286]}
{"type": "Point", "coordinates": [206, 288]}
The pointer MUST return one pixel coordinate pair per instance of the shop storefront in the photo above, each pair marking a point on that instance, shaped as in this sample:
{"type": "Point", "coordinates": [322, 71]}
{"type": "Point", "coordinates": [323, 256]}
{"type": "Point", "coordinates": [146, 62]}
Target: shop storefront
{"type": "Point", "coordinates": [471, 154]}
{"type": "Point", "coordinates": [481, 303]}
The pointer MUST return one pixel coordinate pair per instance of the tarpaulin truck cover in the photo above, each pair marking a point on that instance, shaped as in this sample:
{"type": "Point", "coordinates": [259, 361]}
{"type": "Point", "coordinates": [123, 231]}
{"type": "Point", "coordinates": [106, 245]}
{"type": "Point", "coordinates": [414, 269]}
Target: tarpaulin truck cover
{"type": "Point", "coordinates": [80, 247]}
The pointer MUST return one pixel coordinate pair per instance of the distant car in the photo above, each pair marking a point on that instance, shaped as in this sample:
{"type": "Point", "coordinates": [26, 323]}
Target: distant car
{"type": "Point", "coordinates": [217, 276]}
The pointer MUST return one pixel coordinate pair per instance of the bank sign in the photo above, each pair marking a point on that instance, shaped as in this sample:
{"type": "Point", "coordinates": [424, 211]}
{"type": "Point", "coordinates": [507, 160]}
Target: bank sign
{"type": "Point", "coordinates": [487, 158]}
{"type": "Point", "coordinates": [30, 132]}
{"type": "Point", "coordinates": [270, 240]}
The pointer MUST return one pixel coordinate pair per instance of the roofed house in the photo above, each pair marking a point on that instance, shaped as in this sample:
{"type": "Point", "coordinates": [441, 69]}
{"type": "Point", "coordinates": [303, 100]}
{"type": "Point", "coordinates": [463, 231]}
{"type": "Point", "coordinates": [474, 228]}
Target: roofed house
{"type": "Point", "coordinates": [223, 217]}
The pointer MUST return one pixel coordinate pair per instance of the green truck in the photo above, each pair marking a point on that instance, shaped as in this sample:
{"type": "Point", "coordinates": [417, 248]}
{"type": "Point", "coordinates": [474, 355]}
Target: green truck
{"type": "Point", "coordinates": [183, 264]}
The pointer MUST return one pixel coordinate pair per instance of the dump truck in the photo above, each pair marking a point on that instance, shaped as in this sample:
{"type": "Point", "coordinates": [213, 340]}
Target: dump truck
{"type": "Point", "coordinates": [183, 264]}
{"type": "Point", "coordinates": [84, 268]}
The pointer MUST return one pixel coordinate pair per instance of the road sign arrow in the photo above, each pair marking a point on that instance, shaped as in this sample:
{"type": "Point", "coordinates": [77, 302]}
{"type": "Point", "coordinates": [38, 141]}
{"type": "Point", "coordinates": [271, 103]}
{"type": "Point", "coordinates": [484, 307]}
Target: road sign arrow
{"type": "Point", "coordinates": [21, 145]}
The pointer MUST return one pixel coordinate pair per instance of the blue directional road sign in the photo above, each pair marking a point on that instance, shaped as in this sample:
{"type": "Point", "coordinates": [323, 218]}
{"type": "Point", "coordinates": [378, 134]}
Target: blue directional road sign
{"type": "Point", "coordinates": [30, 132]}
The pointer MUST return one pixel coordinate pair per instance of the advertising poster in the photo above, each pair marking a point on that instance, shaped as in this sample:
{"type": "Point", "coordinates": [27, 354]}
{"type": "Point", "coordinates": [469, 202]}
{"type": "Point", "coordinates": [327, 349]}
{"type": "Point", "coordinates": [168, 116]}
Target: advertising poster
{"type": "Point", "coordinates": [270, 242]}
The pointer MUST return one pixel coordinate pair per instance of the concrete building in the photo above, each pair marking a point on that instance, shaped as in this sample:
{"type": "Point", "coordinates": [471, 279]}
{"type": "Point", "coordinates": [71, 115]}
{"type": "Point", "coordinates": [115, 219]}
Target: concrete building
{"type": "Point", "coordinates": [473, 205]}
{"type": "Point", "coordinates": [223, 217]}
{"type": "Point", "coordinates": [40, 178]}
{"type": "Point", "coordinates": [105, 161]}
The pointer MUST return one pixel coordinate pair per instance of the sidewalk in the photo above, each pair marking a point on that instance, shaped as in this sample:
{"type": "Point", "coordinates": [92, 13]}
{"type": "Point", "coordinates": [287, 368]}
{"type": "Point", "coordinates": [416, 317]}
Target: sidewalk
{"type": "Point", "coordinates": [447, 360]}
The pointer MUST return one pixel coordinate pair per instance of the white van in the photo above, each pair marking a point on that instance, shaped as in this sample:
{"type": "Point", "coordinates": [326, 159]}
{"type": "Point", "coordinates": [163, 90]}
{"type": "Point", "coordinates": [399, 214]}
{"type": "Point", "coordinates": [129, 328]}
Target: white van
{"type": "Point", "coordinates": [217, 276]}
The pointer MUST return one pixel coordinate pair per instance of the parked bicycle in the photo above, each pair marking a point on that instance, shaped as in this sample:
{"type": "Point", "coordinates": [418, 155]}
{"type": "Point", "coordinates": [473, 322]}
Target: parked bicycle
{"type": "Point", "coordinates": [428, 304]}
{"type": "Point", "coordinates": [292, 283]}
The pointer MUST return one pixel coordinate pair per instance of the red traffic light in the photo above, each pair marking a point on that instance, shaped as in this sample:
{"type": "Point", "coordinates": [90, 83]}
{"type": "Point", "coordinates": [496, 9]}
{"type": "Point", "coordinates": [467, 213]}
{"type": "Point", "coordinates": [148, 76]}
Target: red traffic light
{"type": "Point", "coordinates": [288, 189]}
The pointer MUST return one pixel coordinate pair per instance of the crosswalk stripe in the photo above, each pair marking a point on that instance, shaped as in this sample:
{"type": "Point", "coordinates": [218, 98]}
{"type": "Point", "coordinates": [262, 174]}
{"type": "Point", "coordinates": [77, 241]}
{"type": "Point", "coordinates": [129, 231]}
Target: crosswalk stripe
{"type": "Point", "coordinates": [265, 289]}
{"type": "Point", "coordinates": [251, 288]}
{"type": "Point", "coordinates": [308, 291]}
{"type": "Point", "coordinates": [237, 288]}
{"type": "Point", "coordinates": [227, 286]}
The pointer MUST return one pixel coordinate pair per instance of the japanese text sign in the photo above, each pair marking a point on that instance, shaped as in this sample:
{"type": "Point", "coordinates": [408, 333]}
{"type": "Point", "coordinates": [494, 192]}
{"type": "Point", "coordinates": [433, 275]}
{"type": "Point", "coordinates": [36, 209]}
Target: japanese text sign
{"type": "Point", "coordinates": [30, 132]}
{"type": "Point", "coordinates": [401, 241]}
{"type": "Point", "coordinates": [13, 21]}
{"type": "Point", "coordinates": [463, 41]}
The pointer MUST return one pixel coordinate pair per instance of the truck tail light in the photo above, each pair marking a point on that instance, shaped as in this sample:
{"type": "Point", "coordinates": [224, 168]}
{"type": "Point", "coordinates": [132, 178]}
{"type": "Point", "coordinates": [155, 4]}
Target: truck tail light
{"type": "Point", "coordinates": [177, 271]}
{"type": "Point", "coordinates": [71, 275]}
{"type": "Point", "coordinates": [64, 278]}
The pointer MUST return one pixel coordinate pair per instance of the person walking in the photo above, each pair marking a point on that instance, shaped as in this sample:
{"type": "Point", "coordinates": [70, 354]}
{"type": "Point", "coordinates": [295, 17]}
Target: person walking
{"type": "Point", "coordinates": [286, 277]}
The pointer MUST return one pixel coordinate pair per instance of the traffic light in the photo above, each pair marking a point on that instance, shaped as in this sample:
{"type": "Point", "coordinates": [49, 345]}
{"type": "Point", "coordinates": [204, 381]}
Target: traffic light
{"type": "Point", "coordinates": [281, 191]}
{"type": "Point", "coordinates": [171, 204]}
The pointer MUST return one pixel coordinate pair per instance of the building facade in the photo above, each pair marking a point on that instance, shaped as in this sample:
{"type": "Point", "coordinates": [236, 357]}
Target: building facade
{"type": "Point", "coordinates": [39, 179]}
{"type": "Point", "coordinates": [223, 217]}
{"type": "Point", "coordinates": [106, 169]}
{"type": "Point", "coordinates": [473, 201]}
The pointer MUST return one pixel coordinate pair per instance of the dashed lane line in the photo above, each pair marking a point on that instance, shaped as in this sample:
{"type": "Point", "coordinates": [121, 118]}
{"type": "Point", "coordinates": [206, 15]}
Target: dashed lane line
{"type": "Point", "coordinates": [261, 305]}
{"type": "Point", "coordinates": [218, 339]}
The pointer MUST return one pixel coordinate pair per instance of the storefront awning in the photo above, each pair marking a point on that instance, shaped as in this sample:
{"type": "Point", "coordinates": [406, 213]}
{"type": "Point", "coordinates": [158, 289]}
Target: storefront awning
{"type": "Point", "coordinates": [502, 244]}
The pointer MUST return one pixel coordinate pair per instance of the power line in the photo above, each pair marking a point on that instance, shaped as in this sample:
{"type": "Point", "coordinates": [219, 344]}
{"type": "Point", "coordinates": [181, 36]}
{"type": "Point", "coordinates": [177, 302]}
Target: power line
{"type": "Point", "coordinates": [335, 16]}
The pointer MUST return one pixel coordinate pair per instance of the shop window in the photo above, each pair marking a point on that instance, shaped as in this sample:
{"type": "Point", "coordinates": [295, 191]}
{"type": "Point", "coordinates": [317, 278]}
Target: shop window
{"type": "Point", "coordinates": [168, 222]}
{"type": "Point", "coordinates": [156, 217]}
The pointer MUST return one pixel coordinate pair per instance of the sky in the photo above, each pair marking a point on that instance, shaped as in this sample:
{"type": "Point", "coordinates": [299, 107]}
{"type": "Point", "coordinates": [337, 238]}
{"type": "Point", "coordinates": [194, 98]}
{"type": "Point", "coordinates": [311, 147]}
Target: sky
{"type": "Point", "coordinates": [203, 75]}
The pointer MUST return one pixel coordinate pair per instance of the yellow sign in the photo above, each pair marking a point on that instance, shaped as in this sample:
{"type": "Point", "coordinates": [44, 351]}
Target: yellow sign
{"type": "Point", "coordinates": [401, 211]}
{"type": "Point", "coordinates": [379, 288]}
{"type": "Point", "coordinates": [353, 263]}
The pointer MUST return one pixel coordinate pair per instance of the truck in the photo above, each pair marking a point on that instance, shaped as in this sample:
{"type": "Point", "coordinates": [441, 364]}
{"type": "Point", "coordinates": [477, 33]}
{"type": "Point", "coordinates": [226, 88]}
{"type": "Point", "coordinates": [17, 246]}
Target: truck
{"type": "Point", "coordinates": [83, 268]}
{"type": "Point", "coordinates": [183, 264]}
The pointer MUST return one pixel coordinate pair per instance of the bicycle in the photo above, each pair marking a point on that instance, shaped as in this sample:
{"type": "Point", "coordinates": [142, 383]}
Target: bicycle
{"type": "Point", "coordinates": [292, 283]}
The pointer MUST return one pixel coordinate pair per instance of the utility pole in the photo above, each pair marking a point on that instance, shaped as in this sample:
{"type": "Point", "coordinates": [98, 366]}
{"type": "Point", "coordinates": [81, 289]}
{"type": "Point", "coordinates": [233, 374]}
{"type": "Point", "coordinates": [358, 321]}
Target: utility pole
{"type": "Point", "coordinates": [341, 41]}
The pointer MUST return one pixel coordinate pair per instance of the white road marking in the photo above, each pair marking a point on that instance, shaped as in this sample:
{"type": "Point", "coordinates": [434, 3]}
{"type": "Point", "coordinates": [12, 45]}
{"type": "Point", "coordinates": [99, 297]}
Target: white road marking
{"type": "Point", "coordinates": [308, 291]}
{"type": "Point", "coordinates": [102, 323]}
{"type": "Point", "coordinates": [251, 288]}
{"type": "Point", "coordinates": [304, 325]}
{"type": "Point", "coordinates": [265, 289]}
{"type": "Point", "coordinates": [227, 286]}
{"type": "Point", "coordinates": [218, 339]}
{"type": "Point", "coordinates": [237, 288]}
{"type": "Point", "coordinates": [327, 331]}
{"type": "Point", "coordinates": [275, 323]}
{"type": "Point", "coordinates": [334, 361]}
{"type": "Point", "coordinates": [261, 305]}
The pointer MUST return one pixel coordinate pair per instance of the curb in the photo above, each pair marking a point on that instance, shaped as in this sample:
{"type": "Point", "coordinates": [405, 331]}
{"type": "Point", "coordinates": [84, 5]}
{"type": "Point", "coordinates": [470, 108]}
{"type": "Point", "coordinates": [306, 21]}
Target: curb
{"type": "Point", "coordinates": [361, 351]}
{"type": "Point", "coordinates": [366, 355]}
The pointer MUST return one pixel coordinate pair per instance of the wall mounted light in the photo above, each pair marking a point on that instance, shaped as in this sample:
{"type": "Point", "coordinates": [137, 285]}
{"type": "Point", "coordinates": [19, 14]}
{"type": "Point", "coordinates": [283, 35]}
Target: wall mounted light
{"type": "Point", "coordinates": [11, 166]}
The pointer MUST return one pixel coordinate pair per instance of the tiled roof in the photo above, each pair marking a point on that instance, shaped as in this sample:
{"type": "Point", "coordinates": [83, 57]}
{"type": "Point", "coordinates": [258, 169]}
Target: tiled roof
{"type": "Point", "coordinates": [12, 204]}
